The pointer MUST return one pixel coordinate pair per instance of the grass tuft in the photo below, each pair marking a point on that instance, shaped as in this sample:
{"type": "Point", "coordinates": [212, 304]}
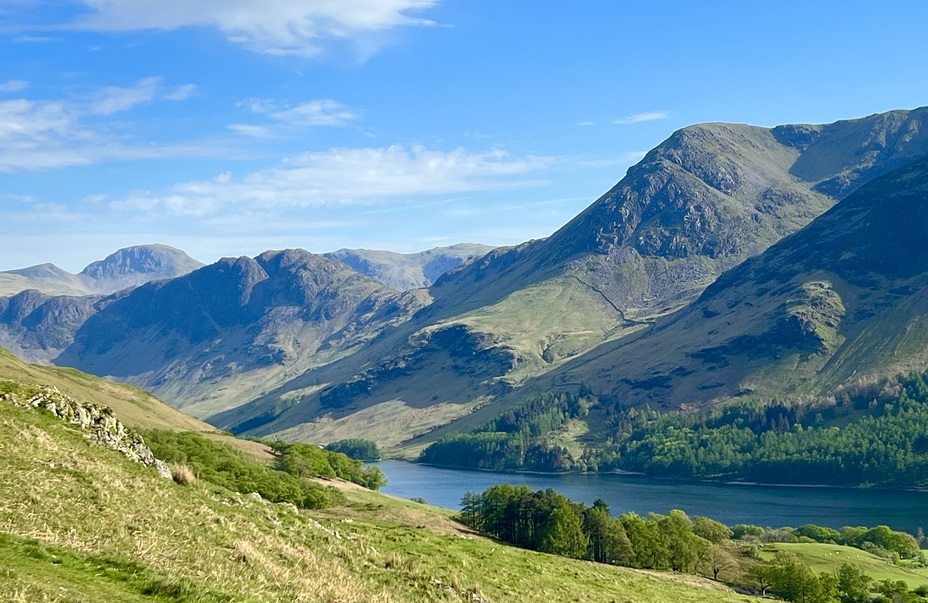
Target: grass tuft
{"type": "Point", "coordinates": [183, 475]}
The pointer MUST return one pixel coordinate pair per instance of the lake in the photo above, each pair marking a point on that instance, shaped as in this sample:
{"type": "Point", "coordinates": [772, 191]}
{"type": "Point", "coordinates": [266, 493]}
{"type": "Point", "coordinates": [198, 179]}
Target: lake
{"type": "Point", "coordinates": [773, 506]}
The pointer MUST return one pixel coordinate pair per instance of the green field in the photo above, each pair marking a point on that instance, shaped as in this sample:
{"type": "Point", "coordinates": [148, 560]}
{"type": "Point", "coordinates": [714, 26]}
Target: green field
{"type": "Point", "coordinates": [829, 557]}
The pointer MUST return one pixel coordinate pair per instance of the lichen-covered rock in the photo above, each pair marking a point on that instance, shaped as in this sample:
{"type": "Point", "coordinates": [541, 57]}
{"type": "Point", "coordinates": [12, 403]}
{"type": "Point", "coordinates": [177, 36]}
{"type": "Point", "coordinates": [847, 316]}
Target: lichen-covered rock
{"type": "Point", "coordinates": [98, 421]}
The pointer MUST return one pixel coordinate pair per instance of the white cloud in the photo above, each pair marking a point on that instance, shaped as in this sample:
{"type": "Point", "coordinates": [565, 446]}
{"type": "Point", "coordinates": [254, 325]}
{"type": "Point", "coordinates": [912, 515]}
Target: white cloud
{"type": "Point", "coordinates": [277, 27]}
{"type": "Point", "coordinates": [26, 123]}
{"type": "Point", "coordinates": [13, 86]}
{"type": "Point", "coordinates": [45, 134]}
{"type": "Point", "coordinates": [32, 39]}
{"type": "Point", "coordinates": [252, 130]}
{"type": "Point", "coordinates": [640, 117]}
{"type": "Point", "coordinates": [180, 93]}
{"type": "Point", "coordinates": [324, 112]}
{"type": "Point", "coordinates": [115, 99]}
{"type": "Point", "coordinates": [343, 177]}
{"type": "Point", "coordinates": [314, 113]}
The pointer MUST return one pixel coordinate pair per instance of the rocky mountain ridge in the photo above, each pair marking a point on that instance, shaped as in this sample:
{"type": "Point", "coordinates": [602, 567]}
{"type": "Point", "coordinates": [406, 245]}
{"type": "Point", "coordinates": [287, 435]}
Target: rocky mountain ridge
{"type": "Point", "coordinates": [841, 299]}
{"type": "Point", "coordinates": [702, 202]}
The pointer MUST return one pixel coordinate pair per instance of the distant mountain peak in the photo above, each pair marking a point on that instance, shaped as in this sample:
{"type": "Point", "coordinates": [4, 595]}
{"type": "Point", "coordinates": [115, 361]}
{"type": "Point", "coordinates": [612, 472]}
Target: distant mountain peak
{"type": "Point", "coordinates": [128, 267]}
{"type": "Point", "coordinates": [162, 261]}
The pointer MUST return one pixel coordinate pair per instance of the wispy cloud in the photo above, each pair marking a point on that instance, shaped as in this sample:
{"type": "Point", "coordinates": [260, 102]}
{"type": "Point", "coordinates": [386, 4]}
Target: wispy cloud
{"type": "Point", "coordinates": [252, 131]}
{"type": "Point", "coordinates": [339, 177]}
{"type": "Point", "coordinates": [115, 99]}
{"type": "Point", "coordinates": [315, 113]}
{"type": "Point", "coordinates": [45, 134]}
{"type": "Point", "coordinates": [640, 117]}
{"type": "Point", "coordinates": [324, 112]}
{"type": "Point", "coordinates": [276, 27]}
{"type": "Point", "coordinates": [13, 86]}
{"type": "Point", "coordinates": [585, 123]}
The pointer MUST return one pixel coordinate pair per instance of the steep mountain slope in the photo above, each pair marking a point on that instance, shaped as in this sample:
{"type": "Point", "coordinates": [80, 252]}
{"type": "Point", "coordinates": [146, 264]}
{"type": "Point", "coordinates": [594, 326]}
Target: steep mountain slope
{"type": "Point", "coordinates": [226, 332]}
{"type": "Point", "coordinates": [37, 327]}
{"type": "Point", "coordinates": [404, 271]}
{"type": "Point", "coordinates": [702, 202]}
{"type": "Point", "coordinates": [844, 298]}
{"type": "Point", "coordinates": [127, 267]}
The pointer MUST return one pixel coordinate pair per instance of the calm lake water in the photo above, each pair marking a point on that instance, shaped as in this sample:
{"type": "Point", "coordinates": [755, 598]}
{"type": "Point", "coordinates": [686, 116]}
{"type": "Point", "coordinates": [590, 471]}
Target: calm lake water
{"type": "Point", "coordinates": [773, 506]}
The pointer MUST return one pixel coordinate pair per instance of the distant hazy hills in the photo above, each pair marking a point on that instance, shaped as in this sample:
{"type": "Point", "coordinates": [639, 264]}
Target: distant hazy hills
{"type": "Point", "coordinates": [404, 271]}
{"type": "Point", "coordinates": [126, 268]}
{"type": "Point", "coordinates": [307, 347]}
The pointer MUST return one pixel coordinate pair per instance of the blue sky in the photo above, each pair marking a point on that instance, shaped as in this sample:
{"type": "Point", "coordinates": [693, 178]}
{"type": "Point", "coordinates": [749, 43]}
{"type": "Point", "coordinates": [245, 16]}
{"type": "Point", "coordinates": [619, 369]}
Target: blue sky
{"type": "Point", "coordinates": [228, 127]}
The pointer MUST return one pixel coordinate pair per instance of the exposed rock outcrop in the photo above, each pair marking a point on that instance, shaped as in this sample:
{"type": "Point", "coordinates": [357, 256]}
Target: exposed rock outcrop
{"type": "Point", "coordinates": [99, 423]}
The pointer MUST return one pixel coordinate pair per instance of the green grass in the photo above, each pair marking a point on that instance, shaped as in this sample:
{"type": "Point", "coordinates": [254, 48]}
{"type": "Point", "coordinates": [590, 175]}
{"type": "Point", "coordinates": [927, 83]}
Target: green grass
{"type": "Point", "coordinates": [546, 322]}
{"type": "Point", "coordinates": [80, 522]}
{"type": "Point", "coordinates": [32, 571]}
{"type": "Point", "coordinates": [829, 557]}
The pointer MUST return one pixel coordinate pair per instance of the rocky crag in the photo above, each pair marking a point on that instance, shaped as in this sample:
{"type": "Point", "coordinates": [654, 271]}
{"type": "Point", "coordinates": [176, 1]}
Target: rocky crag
{"type": "Point", "coordinates": [99, 423]}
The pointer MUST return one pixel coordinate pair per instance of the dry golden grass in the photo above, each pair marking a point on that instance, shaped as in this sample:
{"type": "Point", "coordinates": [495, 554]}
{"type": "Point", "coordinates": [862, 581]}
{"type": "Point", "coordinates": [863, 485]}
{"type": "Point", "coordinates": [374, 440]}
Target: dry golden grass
{"type": "Point", "coordinates": [183, 475]}
{"type": "Point", "coordinates": [132, 406]}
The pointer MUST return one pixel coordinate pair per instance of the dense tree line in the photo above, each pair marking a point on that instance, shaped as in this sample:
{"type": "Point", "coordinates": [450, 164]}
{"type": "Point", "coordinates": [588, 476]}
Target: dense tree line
{"type": "Point", "coordinates": [287, 479]}
{"type": "Point", "coordinates": [356, 448]}
{"type": "Point", "coordinates": [883, 440]}
{"type": "Point", "coordinates": [309, 460]}
{"type": "Point", "coordinates": [546, 521]}
{"type": "Point", "coordinates": [874, 432]}
{"type": "Point", "coordinates": [516, 439]}
{"type": "Point", "coordinates": [227, 467]}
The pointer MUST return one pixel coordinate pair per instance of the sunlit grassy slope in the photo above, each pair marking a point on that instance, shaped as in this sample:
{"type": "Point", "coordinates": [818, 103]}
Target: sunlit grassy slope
{"type": "Point", "coordinates": [82, 523]}
{"type": "Point", "coordinates": [131, 405]}
{"type": "Point", "coordinates": [829, 557]}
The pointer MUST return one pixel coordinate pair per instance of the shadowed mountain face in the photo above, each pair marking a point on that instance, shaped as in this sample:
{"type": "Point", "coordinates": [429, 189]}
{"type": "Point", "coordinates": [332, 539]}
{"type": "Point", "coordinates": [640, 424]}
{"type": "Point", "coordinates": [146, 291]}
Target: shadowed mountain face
{"type": "Point", "coordinates": [126, 268]}
{"type": "Point", "coordinates": [37, 327]}
{"type": "Point", "coordinates": [234, 326]}
{"type": "Point", "coordinates": [404, 271]}
{"type": "Point", "coordinates": [843, 298]}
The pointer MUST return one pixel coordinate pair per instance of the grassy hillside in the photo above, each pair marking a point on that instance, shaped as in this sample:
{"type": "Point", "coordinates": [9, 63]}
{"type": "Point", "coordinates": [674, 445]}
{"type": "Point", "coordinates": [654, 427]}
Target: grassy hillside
{"type": "Point", "coordinates": [131, 405]}
{"type": "Point", "coordinates": [80, 522]}
{"type": "Point", "coordinates": [829, 557]}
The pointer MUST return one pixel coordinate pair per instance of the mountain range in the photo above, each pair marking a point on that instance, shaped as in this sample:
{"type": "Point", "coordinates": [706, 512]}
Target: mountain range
{"type": "Point", "coordinates": [731, 260]}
